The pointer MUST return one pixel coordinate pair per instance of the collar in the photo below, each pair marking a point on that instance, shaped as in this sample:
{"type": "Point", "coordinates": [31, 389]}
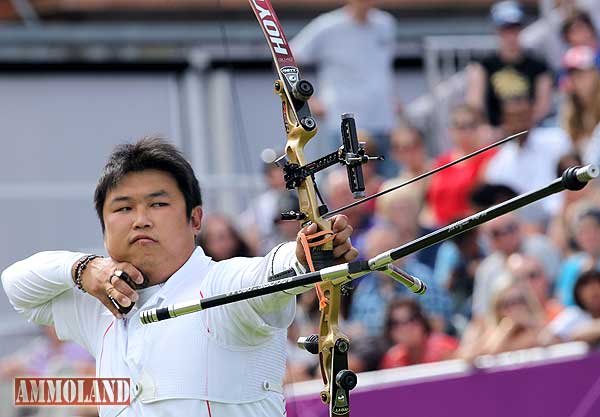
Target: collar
{"type": "Point", "coordinates": [192, 269]}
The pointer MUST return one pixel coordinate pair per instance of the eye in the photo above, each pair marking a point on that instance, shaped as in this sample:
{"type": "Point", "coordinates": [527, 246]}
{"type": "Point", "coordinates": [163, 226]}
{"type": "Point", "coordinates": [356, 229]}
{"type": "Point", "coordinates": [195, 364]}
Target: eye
{"type": "Point", "coordinates": [123, 209]}
{"type": "Point", "coordinates": [159, 204]}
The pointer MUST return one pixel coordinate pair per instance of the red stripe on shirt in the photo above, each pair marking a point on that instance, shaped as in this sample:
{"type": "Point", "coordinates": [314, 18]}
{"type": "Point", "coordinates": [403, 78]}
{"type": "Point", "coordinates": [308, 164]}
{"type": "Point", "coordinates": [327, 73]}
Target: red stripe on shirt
{"type": "Point", "coordinates": [102, 349]}
{"type": "Point", "coordinates": [208, 407]}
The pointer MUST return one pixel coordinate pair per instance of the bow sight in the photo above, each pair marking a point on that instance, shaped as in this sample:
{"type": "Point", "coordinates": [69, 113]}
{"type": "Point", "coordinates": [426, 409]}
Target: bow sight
{"type": "Point", "coordinates": [352, 155]}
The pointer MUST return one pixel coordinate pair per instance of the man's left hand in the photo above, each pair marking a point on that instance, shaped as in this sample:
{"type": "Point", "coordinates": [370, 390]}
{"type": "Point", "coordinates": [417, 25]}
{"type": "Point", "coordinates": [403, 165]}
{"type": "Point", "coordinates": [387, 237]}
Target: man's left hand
{"type": "Point", "coordinates": [343, 251]}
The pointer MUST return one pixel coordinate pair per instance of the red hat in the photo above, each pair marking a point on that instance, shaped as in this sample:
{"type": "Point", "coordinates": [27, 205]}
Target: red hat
{"type": "Point", "coordinates": [579, 58]}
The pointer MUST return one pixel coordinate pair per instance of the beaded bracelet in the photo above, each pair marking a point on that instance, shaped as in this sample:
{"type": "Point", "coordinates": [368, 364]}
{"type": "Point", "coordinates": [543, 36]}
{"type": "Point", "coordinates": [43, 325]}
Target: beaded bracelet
{"type": "Point", "coordinates": [81, 265]}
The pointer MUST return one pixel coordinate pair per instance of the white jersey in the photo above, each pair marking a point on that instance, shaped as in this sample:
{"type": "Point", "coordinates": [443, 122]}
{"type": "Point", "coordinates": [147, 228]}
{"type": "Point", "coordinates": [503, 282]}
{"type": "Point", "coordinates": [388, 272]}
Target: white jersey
{"type": "Point", "coordinates": [355, 66]}
{"type": "Point", "coordinates": [228, 360]}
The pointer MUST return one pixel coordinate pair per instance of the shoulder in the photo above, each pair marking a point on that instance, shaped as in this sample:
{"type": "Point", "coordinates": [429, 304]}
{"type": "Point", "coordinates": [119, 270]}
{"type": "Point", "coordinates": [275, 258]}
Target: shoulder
{"type": "Point", "coordinates": [330, 20]}
{"type": "Point", "coordinates": [382, 17]}
{"type": "Point", "coordinates": [441, 340]}
{"type": "Point", "coordinates": [535, 63]}
{"type": "Point", "coordinates": [556, 137]}
{"type": "Point", "coordinates": [490, 62]}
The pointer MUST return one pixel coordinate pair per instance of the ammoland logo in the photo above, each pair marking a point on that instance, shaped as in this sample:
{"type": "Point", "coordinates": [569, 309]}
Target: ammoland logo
{"type": "Point", "coordinates": [72, 391]}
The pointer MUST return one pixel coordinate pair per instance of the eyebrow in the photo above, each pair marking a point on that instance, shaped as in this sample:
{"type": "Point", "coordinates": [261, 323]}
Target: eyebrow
{"type": "Point", "coordinates": [155, 194]}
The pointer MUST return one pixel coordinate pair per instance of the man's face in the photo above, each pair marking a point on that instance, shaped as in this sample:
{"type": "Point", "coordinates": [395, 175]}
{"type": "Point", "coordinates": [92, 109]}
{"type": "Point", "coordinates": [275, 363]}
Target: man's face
{"type": "Point", "coordinates": [505, 234]}
{"type": "Point", "coordinates": [587, 235]}
{"type": "Point", "coordinates": [406, 328]}
{"type": "Point", "coordinates": [517, 115]}
{"type": "Point", "coordinates": [509, 36]}
{"type": "Point", "coordinates": [589, 295]}
{"type": "Point", "coordinates": [146, 224]}
{"type": "Point", "coordinates": [464, 130]}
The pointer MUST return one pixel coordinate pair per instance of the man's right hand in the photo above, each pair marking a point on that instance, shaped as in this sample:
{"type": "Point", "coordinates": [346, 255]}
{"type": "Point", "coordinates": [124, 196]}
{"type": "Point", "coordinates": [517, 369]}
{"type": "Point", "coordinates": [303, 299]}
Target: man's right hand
{"type": "Point", "coordinates": [100, 281]}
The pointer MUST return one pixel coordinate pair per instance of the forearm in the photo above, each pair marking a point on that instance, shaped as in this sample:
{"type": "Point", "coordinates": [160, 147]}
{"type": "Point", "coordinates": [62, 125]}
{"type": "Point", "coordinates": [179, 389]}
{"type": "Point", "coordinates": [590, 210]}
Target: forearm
{"type": "Point", "coordinates": [35, 281]}
{"type": "Point", "coordinates": [280, 260]}
{"type": "Point", "coordinates": [589, 333]}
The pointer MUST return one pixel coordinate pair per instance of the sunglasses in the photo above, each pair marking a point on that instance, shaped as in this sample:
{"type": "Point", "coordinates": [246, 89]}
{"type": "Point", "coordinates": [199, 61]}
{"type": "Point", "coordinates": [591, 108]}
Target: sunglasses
{"type": "Point", "coordinates": [536, 273]}
{"type": "Point", "coordinates": [512, 301]}
{"type": "Point", "coordinates": [465, 126]}
{"type": "Point", "coordinates": [396, 322]}
{"type": "Point", "coordinates": [506, 230]}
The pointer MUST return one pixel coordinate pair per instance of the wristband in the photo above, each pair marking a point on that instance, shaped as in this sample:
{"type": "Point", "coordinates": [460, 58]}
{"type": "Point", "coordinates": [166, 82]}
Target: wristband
{"type": "Point", "coordinates": [81, 265]}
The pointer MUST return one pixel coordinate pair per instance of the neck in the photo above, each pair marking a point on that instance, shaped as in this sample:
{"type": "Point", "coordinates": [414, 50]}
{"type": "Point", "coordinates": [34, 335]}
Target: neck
{"type": "Point", "coordinates": [415, 353]}
{"type": "Point", "coordinates": [359, 13]}
{"type": "Point", "coordinates": [510, 54]}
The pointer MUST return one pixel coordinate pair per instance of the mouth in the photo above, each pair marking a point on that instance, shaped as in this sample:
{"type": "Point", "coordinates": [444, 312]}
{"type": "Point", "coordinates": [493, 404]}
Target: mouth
{"type": "Point", "coordinates": [143, 239]}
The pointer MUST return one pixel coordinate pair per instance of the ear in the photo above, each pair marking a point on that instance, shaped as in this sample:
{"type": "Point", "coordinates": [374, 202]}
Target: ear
{"type": "Point", "coordinates": [196, 219]}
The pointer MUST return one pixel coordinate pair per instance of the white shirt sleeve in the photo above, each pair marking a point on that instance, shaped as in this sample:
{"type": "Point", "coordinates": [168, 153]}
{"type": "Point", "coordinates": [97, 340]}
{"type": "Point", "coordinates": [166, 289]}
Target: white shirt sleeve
{"type": "Point", "coordinates": [253, 321]}
{"type": "Point", "coordinates": [42, 289]}
{"type": "Point", "coordinates": [305, 45]}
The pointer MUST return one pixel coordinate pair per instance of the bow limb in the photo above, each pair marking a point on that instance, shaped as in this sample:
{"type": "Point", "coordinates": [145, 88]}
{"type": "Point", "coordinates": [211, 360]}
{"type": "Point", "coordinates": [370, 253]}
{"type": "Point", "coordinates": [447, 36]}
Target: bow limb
{"type": "Point", "coordinates": [300, 128]}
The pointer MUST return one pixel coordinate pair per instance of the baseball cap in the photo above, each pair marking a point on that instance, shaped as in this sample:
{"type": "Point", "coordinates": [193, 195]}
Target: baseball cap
{"type": "Point", "coordinates": [507, 13]}
{"type": "Point", "coordinates": [579, 58]}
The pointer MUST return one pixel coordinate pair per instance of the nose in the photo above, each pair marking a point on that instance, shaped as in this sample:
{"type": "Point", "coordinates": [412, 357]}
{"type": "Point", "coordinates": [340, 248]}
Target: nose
{"type": "Point", "coordinates": [142, 220]}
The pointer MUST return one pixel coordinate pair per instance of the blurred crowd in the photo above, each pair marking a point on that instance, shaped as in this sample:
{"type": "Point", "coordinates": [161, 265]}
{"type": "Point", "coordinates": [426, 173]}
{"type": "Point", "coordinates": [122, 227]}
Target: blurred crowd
{"type": "Point", "coordinates": [529, 278]}
{"type": "Point", "coordinates": [526, 279]}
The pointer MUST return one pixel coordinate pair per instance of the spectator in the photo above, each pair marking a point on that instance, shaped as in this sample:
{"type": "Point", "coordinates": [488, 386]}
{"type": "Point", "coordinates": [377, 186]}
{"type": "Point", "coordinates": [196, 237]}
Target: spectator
{"type": "Point", "coordinates": [510, 68]}
{"type": "Point", "coordinates": [448, 194]}
{"type": "Point", "coordinates": [530, 161]}
{"type": "Point", "coordinates": [581, 110]}
{"type": "Point", "coordinates": [338, 194]}
{"type": "Point", "coordinates": [353, 48]}
{"type": "Point", "coordinates": [586, 229]}
{"type": "Point", "coordinates": [582, 321]}
{"type": "Point", "coordinates": [505, 237]}
{"type": "Point", "coordinates": [487, 195]}
{"type": "Point", "coordinates": [455, 266]}
{"type": "Point", "coordinates": [47, 356]}
{"type": "Point", "coordinates": [412, 337]}
{"type": "Point", "coordinates": [220, 240]}
{"type": "Point", "coordinates": [257, 220]}
{"type": "Point", "coordinates": [529, 270]}
{"type": "Point", "coordinates": [408, 151]}
{"type": "Point", "coordinates": [513, 322]}
{"type": "Point", "coordinates": [571, 202]}
{"type": "Point", "coordinates": [578, 30]}
{"type": "Point", "coordinates": [374, 292]}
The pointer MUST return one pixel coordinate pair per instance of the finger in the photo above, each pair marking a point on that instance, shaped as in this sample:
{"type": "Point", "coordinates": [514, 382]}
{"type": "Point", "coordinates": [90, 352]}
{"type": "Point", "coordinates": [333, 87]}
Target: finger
{"type": "Point", "coordinates": [132, 271]}
{"type": "Point", "coordinates": [343, 235]}
{"type": "Point", "coordinates": [120, 298]}
{"type": "Point", "coordinates": [124, 288]}
{"type": "Point", "coordinates": [339, 223]}
{"type": "Point", "coordinates": [109, 305]}
{"type": "Point", "coordinates": [351, 255]}
{"type": "Point", "coordinates": [340, 250]}
{"type": "Point", "coordinates": [308, 230]}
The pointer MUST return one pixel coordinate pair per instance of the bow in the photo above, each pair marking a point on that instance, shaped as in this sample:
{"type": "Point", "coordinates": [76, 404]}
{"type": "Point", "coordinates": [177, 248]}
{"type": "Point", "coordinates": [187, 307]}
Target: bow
{"type": "Point", "coordinates": [330, 344]}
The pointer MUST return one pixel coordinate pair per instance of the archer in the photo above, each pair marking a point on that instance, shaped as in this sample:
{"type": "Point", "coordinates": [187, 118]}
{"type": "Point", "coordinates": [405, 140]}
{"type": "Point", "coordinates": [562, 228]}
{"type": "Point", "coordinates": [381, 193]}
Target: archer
{"type": "Point", "coordinates": [229, 360]}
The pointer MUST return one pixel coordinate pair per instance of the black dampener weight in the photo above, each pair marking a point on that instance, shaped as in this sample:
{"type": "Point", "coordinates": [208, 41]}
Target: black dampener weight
{"type": "Point", "coordinates": [125, 277]}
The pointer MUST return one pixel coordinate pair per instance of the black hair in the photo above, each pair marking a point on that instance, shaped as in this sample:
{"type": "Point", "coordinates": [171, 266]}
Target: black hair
{"type": "Point", "coordinates": [578, 16]}
{"type": "Point", "coordinates": [585, 278]}
{"type": "Point", "coordinates": [414, 307]}
{"type": "Point", "coordinates": [566, 161]}
{"type": "Point", "coordinates": [148, 153]}
{"type": "Point", "coordinates": [486, 195]}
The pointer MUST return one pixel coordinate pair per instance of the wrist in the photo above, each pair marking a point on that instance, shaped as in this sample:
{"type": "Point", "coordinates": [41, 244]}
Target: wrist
{"type": "Point", "coordinates": [79, 267]}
